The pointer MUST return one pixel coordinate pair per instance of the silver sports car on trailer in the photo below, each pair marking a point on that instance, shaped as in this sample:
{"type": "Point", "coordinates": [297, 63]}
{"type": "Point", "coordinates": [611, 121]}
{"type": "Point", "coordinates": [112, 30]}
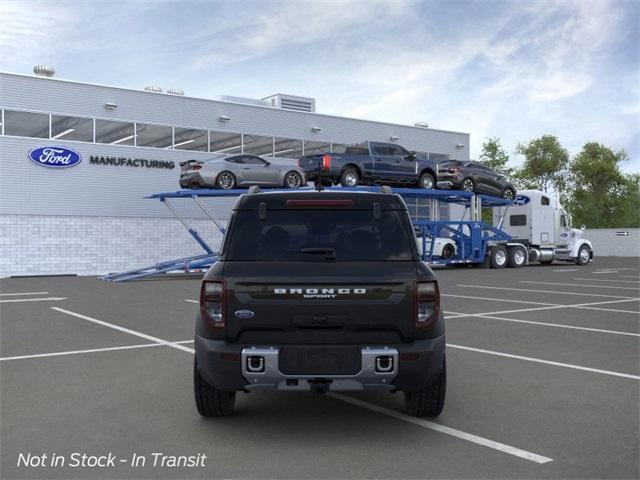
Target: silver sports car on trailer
{"type": "Point", "coordinates": [241, 170]}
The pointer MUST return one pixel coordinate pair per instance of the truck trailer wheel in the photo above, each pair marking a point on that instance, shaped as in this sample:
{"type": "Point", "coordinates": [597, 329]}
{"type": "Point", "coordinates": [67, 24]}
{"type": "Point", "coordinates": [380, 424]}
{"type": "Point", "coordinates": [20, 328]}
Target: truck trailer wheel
{"type": "Point", "coordinates": [584, 255]}
{"type": "Point", "coordinates": [428, 401]}
{"type": "Point", "coordinates": [210, 401]}
{"type": "Point", "coordinates": [517, 257]}
{"type": "Point", "coordinates": [499, 257]}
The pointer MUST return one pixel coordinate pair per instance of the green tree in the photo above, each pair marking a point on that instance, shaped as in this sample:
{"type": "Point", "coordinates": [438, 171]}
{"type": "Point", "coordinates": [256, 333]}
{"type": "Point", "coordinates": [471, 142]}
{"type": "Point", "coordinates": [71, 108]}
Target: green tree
{"type": "Point", "coordinates": [545, 164]}
{"type": "Point", "coordinates": [494, 156]}
{"type": "Point", "coordinates": [600, 195]}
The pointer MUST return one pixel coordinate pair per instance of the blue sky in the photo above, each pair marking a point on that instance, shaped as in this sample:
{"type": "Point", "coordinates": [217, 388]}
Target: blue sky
{"type": "Point", "coordinates": [514, 70]}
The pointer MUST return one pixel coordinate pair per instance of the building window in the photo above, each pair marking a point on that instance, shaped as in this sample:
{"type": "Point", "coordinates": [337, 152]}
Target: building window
{"type": "Point", "coordinates": [157, 136]}
{"type": "Point", "coordinates": [114, 133]}
{"type": "Point", "coordinates": [71, 128]}
{"type": "Point", "coordinates": [26, 124]}
{"type": "Point", "coordinates": [258, 145]}
{"type": "Point", "coordinates": [287, 148]}
{"type": "Point", "coordinates": [225, 142]}
{"type": "Point", "coordinates": [190, 139]}
{"type": "Point", "coordinates": [316, 148]}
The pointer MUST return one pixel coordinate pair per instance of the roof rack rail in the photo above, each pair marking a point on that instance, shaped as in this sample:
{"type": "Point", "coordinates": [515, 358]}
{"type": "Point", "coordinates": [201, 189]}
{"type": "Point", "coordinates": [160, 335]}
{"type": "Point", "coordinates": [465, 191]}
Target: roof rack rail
{"type": "Point", "coordinates": [254, 189]}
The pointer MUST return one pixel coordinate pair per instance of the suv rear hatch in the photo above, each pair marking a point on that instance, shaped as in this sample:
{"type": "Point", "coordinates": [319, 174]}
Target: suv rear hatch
{"type": "Point", "coordinates": [327, 270]}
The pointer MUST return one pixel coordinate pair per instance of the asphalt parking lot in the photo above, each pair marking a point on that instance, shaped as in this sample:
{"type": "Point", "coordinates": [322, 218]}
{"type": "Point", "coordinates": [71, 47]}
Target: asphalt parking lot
{"type": "Point", "coordinates": [543, 383]}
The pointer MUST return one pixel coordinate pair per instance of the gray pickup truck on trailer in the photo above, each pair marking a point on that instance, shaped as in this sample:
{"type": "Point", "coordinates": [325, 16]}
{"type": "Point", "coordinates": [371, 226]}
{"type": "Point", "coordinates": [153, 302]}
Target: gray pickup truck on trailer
{"type": "Point", "coordinates": [320, 291]}
{"type": "Point", "coordinates": [370, 163]}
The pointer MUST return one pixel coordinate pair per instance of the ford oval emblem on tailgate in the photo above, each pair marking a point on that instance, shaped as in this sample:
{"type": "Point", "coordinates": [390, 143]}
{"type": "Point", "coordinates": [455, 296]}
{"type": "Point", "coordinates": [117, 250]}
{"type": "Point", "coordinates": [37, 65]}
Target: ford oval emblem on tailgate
{"type": "Point", "coordinates": [55, 157]}
{"type": "Point", "coordinates": [244, 314]}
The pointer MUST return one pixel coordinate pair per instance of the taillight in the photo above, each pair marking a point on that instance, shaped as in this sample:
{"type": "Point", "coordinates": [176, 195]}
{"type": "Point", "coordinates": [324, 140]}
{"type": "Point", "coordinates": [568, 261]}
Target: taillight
{"type": "Point", "coordinates": [427, 303]}
{"type": "Point", "coordinates": [454, 170]}
{"type": "Point", "coordinates": [299, 162]}
{"type": "Point", "coordinates": [326, 161]}
{"type": "Point", "coordinates": [196, 167]}
{"type": "Point", "coordinates": [212, 303]}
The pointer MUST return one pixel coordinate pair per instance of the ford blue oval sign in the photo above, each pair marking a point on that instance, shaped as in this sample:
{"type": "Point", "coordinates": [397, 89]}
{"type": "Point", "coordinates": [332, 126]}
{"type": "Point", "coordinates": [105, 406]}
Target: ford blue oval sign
{"type": "Point", "coordinates": [244, 314]}
{"type": "Point", "coordinates": [55, 157]}
{"type": "Point", "coordinates": [521, 200]}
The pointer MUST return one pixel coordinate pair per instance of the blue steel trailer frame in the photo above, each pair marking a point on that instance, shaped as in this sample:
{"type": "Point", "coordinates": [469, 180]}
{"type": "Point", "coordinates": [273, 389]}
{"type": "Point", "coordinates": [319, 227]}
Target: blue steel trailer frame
{"type": "Point", "coordinates": [472, 237]}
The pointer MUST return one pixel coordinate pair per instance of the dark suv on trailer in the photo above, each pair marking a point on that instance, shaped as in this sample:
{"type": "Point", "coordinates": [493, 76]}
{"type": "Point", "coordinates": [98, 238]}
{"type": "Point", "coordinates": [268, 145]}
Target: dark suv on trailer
{"type": "Point", "coordinates": [320, 291]}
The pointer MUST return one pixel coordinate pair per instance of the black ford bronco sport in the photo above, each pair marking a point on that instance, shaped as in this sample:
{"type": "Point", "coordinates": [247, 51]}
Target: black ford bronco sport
{"type": "Point", "coordinates": [320, 291]}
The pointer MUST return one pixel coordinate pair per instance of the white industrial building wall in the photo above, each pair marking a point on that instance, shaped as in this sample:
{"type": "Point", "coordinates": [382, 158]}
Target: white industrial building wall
{"type": "Point", "coordinates": [614, 242]}
{"type": "Point", "coordinates": [54, 245]}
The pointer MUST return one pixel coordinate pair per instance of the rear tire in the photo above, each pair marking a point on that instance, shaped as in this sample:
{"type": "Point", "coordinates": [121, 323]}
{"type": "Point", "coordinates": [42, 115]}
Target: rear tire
{"type": "Point", "coordinates": [210, 401]}
{"type": "Point", "coordinates": [508, 194]}
{"type": "Point", "coordinates": [427, 181]}
{"type": "Point", "coordinates": [349, 178]}
{"type": "Point", "coordinates": [226, 180]}
{"type": "Point", "coordinates": [498, 257]}
{"type": "Point", "coordinates": [448, 251]}
{"type": "Point", "coordinates": [292, 180]}
{"type": "Point", "coordinates": [468, 185]}
{"type": "Point", "coordinates": [428, 401]}
{"type": "Point", "coordinates": [517, 257]}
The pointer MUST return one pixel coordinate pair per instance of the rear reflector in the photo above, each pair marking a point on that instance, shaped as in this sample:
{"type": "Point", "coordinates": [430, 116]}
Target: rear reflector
{"type": "Point", "coordinates": [409, 356]}
{"type": "Point", "coordinates": [319, 203]}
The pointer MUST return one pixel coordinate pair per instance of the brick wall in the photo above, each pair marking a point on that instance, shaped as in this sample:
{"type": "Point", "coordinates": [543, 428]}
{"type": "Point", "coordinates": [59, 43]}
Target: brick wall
{"type": "Point", "coordinates": [45, 245]}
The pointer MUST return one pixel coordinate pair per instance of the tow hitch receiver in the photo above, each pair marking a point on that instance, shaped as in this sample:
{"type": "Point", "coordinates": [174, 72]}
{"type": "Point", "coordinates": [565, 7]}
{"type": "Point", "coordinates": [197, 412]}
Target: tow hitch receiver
{"type": "Point", "coordinates": [319, 385]}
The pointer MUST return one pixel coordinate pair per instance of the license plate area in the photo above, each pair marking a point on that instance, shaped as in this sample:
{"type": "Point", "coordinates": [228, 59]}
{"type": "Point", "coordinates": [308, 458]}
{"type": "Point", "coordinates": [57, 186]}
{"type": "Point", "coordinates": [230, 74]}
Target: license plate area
{"type": "Point", "coordinates": [315, 360]}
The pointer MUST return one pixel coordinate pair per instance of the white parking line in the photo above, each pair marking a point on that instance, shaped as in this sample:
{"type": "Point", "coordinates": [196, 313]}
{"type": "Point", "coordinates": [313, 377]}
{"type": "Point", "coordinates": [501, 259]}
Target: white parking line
{"type": "Point", "coordinates": [440, 428]}
{"type": "Point", "coordinates": [604, 280]}
{"type": "Point", "coordinates": [581, 285]}
{"type": "Point", "coordinates": [588, 306]}
{"type": "Point", "coordinates": [91, 350]}
{"type": "Point", "coordinates": [125, 330]}
{"type": "Point", "coordinates": [530, 290]}
{"type": "Point", "coordinates": [544, 324]}
{"type": "Point", "coordinates": [546, 362]}
{"type": "Point", "coordinates": [20, 300]}
{"type": "Point", "coordinates": [23, 293]}
{"type": "Point", "coordinates": [485, 442]}
{"type": "Point", "coordinates": [191, 301]}
{"type": "Point", "coordinates": [628, 276]}
{"type": "Point", "coordinates": [498, 299]}
{"type": "Point", "coordinates": [567, 270]}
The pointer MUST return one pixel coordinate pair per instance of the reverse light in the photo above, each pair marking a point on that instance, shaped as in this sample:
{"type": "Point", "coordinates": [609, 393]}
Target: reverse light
{"type": "Point", "coordinates": [326, 161]}
{"type": "Point", "coordinates": [212, 303]}
{"type": "Point", "coordinates": [427, 303]}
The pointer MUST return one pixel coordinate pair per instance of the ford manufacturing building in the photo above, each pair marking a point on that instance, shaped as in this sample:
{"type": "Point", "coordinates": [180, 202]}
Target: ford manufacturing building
{"type": "Point", "coordinates": [92, 218]}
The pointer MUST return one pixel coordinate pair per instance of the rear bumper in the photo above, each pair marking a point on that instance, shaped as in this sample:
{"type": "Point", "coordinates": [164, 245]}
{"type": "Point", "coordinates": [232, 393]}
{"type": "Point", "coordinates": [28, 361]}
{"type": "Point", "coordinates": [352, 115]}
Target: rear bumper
{"type": "Point", "coordinates": [446, 181]}
{"type": "Point", "coordinates": [190, 180]}
{"type": "Point", "coordinates": [408, 366]}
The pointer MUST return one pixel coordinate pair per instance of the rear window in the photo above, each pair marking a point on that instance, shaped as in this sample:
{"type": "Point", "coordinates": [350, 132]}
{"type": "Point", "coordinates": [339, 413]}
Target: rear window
{"type": "Point", "coordinates": [356, 151]}
{"type": "Point", "coordinates": [319, 235]}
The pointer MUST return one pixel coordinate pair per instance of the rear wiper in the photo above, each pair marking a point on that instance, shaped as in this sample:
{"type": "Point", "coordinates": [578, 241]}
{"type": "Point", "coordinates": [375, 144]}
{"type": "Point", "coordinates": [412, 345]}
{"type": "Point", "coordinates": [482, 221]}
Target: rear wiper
{"type": "Point", "coordinates": [329, 253]}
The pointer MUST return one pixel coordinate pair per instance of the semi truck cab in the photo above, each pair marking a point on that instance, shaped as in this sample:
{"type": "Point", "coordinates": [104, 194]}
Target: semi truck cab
{"type": "Point", "coordinates": [538, 221]}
